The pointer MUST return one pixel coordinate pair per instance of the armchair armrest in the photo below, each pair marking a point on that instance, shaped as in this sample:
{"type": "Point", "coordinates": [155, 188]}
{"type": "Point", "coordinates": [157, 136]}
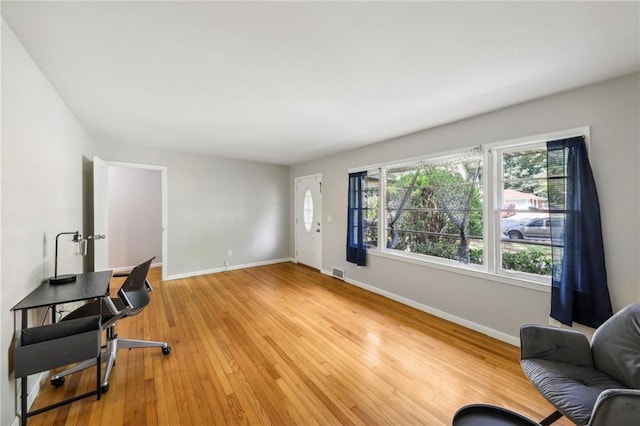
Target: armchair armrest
{"type": "Point", "coordinates": [616, 407]}
{"type": "Point", "coordinates": [555, 344]}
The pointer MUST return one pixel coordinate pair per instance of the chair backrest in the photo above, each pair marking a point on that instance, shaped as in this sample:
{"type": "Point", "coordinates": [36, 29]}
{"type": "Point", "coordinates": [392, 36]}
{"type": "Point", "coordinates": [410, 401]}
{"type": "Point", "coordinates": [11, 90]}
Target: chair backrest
{"type": "Point", "coordinates": [134, 292]}
{"type": "Point", "coordinates": [616, 346]}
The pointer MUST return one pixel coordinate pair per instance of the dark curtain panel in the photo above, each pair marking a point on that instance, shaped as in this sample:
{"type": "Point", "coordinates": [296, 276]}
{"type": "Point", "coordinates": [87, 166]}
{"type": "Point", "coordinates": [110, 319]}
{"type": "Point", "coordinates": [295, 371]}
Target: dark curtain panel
{"type": "Point", "coordinates": [356, 247]}
{"type": "Point", "coordinates": [579, 281]}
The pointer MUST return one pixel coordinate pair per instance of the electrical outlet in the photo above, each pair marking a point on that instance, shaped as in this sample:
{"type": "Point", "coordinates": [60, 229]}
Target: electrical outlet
{"type": "Point", "coordinates": [229, 252]}
{"type": "Point", "coordinates": [226, 263]}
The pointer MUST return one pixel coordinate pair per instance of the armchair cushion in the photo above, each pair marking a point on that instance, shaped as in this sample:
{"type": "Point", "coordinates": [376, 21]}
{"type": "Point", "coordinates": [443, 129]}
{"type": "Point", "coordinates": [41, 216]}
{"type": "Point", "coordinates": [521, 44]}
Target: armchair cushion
{"type": "Point", "coordinates": [572, 389]}
{"type": "Point", "coordinates": [616, 346]}
{"type": "Point", "coordinates": [555, 344]}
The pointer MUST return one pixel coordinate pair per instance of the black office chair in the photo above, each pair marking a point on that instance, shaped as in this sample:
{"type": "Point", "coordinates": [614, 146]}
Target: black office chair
{"type": "Point", "coordinates": [132, 298]}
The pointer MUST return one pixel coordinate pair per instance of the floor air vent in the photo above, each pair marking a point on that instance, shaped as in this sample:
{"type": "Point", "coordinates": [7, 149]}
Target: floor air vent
{"type": "Point", "coordinates": [337, 273]}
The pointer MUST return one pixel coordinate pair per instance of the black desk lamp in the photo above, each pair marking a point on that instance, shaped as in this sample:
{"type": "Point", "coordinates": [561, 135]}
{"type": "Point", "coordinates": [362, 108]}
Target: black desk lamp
{"type": "Point", "coordinates": [67, 278]}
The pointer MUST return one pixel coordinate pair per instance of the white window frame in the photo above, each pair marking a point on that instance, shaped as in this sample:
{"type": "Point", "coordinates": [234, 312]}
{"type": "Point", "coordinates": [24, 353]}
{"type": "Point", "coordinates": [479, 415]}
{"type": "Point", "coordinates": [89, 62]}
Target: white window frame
{"type": "Point", "coordinates": [492, 179]}
{"type": "Point", "coordinates": [379, 229]}
{"type": "Point", "coordinates": [495, 252]}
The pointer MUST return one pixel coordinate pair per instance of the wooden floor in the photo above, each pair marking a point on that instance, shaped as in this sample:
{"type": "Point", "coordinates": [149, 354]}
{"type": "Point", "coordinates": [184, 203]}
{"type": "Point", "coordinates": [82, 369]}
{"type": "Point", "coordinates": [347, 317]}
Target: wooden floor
{"type": "Point", "coordinates": [283, 344]}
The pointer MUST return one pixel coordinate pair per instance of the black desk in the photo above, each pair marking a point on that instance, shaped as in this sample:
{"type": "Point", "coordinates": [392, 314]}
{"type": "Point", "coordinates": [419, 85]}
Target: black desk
{"type": "Point", "coordinates": [87, 286]}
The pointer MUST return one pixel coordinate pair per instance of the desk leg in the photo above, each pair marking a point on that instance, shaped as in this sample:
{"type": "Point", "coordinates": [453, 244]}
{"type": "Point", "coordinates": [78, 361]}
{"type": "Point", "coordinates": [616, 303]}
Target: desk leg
{"type": "Point", "coordinates": [23, 381]}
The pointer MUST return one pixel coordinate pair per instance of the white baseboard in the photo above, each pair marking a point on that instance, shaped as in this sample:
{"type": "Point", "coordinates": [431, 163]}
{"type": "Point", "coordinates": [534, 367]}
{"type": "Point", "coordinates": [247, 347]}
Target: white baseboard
{"type": "Point", "coordinates": [128, 268]}
{"type": "Point", "coordinates": [226, 269]}
{"type": "Point", "coordinates": [503, 337]}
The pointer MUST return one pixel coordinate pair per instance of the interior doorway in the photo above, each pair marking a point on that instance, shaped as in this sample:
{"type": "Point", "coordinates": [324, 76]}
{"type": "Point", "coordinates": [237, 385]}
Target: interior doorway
{"type": "Point", "coordinates": [130, 210]}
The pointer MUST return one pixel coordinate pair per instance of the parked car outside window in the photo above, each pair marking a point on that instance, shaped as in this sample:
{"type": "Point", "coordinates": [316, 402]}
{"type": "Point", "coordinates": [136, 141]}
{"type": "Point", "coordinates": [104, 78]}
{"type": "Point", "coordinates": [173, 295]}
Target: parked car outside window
{"type": "Point", "coordinates": [535, 229]}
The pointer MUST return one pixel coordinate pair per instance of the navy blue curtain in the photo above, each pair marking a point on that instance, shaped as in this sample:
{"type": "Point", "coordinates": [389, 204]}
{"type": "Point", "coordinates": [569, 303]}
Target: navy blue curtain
{"type": "Point", "coordinates": [579, 280]}
{"type": "Point", "coordinates": [356, 246]}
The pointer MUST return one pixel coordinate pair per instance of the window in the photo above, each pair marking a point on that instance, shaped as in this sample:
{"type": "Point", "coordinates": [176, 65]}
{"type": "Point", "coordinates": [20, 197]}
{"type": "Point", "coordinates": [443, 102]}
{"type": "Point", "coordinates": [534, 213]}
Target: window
{"type": "Point", "coordinates": [371, 208]}
{"type": "Point", "coordinates": [434, 207]}
{"type": "Point", "coordinates": [525, 243]}
{"type": "Point", "coordinates": [483, 209]}
{"type": "Point", "coordinates": [308, 209]}
{"type": "Point", "coordinates": [356, 243]}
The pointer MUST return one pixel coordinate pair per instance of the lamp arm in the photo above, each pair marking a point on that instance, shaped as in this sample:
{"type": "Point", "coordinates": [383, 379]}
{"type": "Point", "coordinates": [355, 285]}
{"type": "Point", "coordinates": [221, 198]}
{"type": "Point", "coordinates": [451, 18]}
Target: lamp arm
{"type": "Point", "coordinates": [76, 237]}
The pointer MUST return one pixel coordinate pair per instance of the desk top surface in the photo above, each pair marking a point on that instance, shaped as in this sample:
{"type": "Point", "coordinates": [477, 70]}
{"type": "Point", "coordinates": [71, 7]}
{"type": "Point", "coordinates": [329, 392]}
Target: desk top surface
{"type": "Point", "coordinates": [86, 286]}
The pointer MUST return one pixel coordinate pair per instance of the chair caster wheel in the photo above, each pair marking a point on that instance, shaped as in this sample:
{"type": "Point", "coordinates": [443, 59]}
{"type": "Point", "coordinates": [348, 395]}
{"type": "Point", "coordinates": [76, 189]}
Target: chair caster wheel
{"type": "Point", "coordinates": [57, 381]}
{"type": "Point", "coordinates": [166, 350]}
{"type": "Point", "coordinates": [104, 388]}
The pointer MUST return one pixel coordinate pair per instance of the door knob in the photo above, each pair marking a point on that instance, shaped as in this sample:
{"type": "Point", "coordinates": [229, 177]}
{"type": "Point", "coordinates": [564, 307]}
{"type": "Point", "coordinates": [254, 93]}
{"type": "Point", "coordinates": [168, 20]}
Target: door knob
{"type": "Point", "coordinates": [96, 237]}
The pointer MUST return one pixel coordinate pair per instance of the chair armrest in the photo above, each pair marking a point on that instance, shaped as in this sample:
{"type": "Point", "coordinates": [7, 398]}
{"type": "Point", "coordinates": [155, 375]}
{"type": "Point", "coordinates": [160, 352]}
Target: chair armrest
{"type": "Point", "coordinates": [555, 344]}
{"type": "Point", "coordinates": [113, 309]}
{"type": "Point", "coordinates": [616, 407]}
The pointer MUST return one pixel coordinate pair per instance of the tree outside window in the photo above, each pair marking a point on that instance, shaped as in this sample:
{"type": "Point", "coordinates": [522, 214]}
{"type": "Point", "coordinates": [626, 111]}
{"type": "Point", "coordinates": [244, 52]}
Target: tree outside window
{"type": "Point", "coordinates": [434, 208]}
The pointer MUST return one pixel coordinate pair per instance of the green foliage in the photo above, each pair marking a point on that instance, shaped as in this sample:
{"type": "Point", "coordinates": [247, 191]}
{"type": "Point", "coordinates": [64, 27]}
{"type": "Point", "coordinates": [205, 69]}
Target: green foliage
{"type": "Point", "coordinates": [532, 260]}
{"type": "Point", "coordinates": [531, 165]}
{"type": "Point", "coordinates": [476, 255]}
{"type": "Point", "coordinates": [423, 204]}
{"type": "Point", "coordinates": [446, 248]}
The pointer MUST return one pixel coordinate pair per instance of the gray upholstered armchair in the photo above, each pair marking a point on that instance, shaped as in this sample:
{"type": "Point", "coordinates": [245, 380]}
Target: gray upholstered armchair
{"type": "Point", "coordinates": [595, 385]}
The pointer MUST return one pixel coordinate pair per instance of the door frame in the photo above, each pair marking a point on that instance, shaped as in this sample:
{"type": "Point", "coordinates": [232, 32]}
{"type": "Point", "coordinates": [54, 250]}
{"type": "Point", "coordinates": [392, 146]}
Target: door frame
{"type": "Point", "coordinates": [165, 205]}
{"type": "Point", "coordinates": [295, 215]}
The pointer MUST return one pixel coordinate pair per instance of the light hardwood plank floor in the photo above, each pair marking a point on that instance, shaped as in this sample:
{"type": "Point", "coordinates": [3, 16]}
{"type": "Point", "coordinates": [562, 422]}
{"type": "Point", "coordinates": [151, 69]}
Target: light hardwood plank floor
{"type": "Point", "coordinates": [284, 344]}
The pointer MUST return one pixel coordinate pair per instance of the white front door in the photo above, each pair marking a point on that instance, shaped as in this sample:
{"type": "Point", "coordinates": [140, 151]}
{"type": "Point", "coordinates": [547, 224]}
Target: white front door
{"type": "Point", "coordinates": [309, 220]}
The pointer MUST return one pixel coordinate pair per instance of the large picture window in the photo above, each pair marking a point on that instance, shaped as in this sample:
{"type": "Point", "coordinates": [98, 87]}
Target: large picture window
{"type": "Point", "coordinates": [525, 210]}
{"type": "Point", "coordinates": [434, 207]}
{"type": "Point", "coordinates": [485, 208]}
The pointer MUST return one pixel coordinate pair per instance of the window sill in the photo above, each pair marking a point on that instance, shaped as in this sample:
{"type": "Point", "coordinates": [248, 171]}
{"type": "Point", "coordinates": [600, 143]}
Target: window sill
{"type": "Point", "coordinates": [470, 271]}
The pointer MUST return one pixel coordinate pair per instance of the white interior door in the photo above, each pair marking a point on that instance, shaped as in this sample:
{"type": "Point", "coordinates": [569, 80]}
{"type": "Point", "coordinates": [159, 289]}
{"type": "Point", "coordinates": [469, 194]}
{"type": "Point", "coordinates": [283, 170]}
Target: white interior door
{"type": "Point", "coordinates": [309, 220]}
{"type": "Point", "coordinates": [100, 213]}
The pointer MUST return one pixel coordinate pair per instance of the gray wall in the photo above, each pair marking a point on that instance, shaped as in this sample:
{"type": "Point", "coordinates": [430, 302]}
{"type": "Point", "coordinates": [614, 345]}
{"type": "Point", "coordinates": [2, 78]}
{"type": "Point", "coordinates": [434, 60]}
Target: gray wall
{"type": "Point", "coordinates": [499, 309]}
{"type": "Point", "coordinates": [43, 150]}
{"type": "Point", "coordinates": [215, 205]}
{"type": "Point", "coordinates": [135, 216]}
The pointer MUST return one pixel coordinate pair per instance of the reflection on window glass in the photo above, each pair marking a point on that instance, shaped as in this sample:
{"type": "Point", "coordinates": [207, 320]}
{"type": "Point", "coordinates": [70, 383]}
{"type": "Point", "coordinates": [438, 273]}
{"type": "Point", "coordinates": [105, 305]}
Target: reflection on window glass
{"type": "Point", "coordinates": [308, 209]}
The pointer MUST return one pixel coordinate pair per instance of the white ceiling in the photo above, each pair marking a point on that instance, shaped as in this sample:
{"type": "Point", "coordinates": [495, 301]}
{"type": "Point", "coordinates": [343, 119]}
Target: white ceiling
{"type": "Point", "coordinates": [291, 81]}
